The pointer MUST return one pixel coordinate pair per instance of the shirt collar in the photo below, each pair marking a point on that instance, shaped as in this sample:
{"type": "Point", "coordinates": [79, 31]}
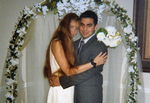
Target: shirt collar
{"type": "Point", "coordinates": [86, 40]}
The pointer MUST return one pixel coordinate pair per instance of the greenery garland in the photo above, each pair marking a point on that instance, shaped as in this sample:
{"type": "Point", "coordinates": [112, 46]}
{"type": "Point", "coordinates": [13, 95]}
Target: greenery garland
{"type": "Point", "coordinates": [132, 43]}
{"type": "Point", "coordinates": [17, 40]}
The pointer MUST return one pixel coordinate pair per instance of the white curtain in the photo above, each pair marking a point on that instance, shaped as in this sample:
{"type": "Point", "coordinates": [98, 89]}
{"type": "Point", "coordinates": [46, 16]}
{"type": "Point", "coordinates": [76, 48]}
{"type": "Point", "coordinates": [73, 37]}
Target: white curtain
{"type": "Point", "coordinates": [115, 73]}
{"type": "Point", "coordinates": [36, 85]}
{"type": "Point", "coordinates": [33, 87]}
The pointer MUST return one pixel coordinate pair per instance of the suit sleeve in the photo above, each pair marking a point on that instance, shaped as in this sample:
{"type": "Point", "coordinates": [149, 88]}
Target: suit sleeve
{"type": "Point", "coordinates": [67, 81]}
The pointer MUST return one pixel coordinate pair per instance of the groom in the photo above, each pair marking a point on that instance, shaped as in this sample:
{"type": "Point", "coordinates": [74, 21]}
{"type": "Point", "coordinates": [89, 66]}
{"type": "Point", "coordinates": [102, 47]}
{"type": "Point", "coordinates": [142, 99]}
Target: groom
{"type": "Point", "coordinates": [88, 85]}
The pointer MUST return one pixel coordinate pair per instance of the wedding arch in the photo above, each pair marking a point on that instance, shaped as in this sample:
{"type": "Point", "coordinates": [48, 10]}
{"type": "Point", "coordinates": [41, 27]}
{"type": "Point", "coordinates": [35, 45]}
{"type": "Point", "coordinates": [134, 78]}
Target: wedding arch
{"type": "Point", "coordinates": [127, 29]}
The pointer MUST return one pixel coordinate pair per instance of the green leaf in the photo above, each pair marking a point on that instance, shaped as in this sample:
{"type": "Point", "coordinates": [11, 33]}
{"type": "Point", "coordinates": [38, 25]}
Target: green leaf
{"type": "Point", "coordinates": [102, 30]}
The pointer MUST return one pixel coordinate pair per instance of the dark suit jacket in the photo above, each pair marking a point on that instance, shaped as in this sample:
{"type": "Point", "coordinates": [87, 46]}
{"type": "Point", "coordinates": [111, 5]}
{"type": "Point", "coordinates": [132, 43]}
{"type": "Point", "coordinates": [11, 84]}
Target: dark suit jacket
{"type": "Point", "coordinates": [88, 85]}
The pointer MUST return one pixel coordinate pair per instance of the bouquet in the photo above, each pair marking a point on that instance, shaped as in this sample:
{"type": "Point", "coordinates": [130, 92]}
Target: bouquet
{"type": "Point", "coordinates": [109, 36]}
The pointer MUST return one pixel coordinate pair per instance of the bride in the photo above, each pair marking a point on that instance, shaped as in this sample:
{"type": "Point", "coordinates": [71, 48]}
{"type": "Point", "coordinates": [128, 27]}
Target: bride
{"type": "Point", "coordinates": [60, 58]}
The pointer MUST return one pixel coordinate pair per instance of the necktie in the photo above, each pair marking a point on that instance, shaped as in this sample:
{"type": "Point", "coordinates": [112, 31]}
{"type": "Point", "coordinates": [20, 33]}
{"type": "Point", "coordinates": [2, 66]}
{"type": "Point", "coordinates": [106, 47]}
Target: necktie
{"type": "Point", "coordinates": [81, 44]}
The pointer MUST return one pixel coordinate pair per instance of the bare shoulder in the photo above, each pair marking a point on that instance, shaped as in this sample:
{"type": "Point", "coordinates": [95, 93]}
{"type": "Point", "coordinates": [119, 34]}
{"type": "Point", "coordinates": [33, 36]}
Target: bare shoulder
{"type": "Point", "coordinates": [56, 44]}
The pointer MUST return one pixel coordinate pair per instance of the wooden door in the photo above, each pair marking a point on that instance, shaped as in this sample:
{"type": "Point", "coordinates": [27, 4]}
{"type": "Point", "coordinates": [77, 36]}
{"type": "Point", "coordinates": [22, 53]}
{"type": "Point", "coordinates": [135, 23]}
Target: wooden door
{"type": "Point", "coordinates": [142, 23]}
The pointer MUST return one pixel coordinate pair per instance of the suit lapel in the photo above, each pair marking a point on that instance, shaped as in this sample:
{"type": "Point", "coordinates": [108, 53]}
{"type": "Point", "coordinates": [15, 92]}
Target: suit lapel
{"type": "Point", "coordinates": [84, 48]}
{"type": "Point", "coordinates": [89, 42]}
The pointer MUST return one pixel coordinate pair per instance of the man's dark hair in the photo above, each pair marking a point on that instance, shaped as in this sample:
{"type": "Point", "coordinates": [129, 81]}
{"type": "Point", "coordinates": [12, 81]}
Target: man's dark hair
{"type": "Point", "coordinates": [89, 14]}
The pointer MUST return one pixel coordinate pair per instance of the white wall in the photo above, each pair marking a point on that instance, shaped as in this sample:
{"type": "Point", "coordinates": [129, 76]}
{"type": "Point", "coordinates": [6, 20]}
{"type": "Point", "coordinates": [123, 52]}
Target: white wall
{"type": "Point", "coordinates": [9, 12]}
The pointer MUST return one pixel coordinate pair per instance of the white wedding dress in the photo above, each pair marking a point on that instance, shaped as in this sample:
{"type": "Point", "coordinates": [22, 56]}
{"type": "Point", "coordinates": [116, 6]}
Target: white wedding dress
{"type": "Point", "coordinates": [58, 94]}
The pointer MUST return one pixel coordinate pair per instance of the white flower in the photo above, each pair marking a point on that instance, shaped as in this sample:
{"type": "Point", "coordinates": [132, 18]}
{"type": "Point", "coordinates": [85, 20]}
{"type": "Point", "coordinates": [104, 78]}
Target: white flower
{"type": "Point", "coordinates": [20, 42]}
{"type": "Point", "coordinates": [87, 1]}
{"type": "Point", "coordinates": [76, 5]}
{"type": "Point", "coordinates": [134, 59]}
{"type": "Point", "coordinates": [66, 3]}
{"type": "Point", "coordinates": [60, 6]}
{"type": "Point", "coordinates": [78, 13]}
{"type": "Point", "coordinates": [139, 87]}
{"type": "Point", "coordinates": [60, 13]}
{"type": "Point", "coordinates": [37, 5]}
{"type": "Point", "coordinates": [28, 12]}
{"type": "Point", "coordinates": [17, 52]}
{"type": "Point", "coordinates": [101, 8]}
{"type": "Point", "coordinates": [9, 81]}
{"type": "Point", "coordinates": [83, 8]}
{"type": "Point", "coordinates": [138, 48]}
{"type": "Point", "coordinates": [28, 23]}
{"type": "Point", "coordinates": [44, 9]}
{"type": "Point", "coordinates": [9, 95]}
{"type": "Point", "coordinates": [80, 6]}
{"type": "Point", "coordinates": [92, 4]}
{"type": "Point", "coordinates": [111, 30]}
{"type": "Point", "coordinates": [110, 36]}
{"type": "Point", "coordinates": [68, 10]}
{"type": "Point", "coordinates": [129, 50]}
{"type": "Point", "coordinates": [99, 17]}
{"type": "Point", "coordinates": [99, 11]}
{"type": "Point", "coordinates": [21, 31]}
{"type": "Point", "coordinates": [113, 43]}
{"type": "Point", "coordinates": [14, 61]}
{"type": "Point", "coordinates": [12, 46]}
{"type": "Point", "coordinates": [130, 69]}
{"type": "Point", "coordinates": [128, 29]}
{"type": "Point", "coordinates": [118, 39]}
{"type": "Point", "coordinates": [60, 17]}
{"type": "Point", "coordinates": [106, 41]}
{"type": "Point", "coordinates": [112, 39]}
{"type": "Point", "coordinates": [100, 36]}
{"type": "Point", "coordinates": [133, 38]}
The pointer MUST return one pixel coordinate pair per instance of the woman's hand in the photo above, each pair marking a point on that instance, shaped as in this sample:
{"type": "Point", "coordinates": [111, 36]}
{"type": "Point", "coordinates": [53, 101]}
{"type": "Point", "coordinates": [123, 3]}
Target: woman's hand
{"type": "Point", "coordinates": [100, 58]}
{"type": "Point", "coordinates": [54, 81]}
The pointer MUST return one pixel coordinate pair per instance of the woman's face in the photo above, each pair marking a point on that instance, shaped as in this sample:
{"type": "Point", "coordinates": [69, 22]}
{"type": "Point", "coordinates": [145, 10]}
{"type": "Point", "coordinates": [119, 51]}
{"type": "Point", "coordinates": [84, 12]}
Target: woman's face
{"type": "Point", "coordinates": [74, 27]}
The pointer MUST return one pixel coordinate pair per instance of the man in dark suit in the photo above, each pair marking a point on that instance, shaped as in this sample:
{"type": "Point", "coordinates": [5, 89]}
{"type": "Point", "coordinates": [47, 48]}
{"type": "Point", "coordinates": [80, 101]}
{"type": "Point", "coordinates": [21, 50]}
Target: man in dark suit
{"type": "Point", "coordinates": [88, 85]}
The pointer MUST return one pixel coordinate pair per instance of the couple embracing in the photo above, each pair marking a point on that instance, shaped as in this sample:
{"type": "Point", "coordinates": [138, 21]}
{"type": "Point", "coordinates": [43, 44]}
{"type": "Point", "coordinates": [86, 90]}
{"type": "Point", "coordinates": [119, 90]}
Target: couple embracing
{"type": "Point", "coordinates": [74, 68]}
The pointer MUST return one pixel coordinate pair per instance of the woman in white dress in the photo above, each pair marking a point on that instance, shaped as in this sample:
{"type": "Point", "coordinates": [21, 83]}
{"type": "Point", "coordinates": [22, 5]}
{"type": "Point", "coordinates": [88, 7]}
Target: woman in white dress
{"type": "Point", "coordinates": [60, 58]}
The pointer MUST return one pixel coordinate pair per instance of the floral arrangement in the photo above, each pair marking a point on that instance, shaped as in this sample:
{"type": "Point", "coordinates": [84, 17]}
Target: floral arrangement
{"type": "Point", "coordinates": [132, 43]}
{"type": "Point", "coordinates": [77, 6]}
{"type": "Point", "coordinates": [16, 42]}
{"type": "Point", "coordinates": [109, 36]}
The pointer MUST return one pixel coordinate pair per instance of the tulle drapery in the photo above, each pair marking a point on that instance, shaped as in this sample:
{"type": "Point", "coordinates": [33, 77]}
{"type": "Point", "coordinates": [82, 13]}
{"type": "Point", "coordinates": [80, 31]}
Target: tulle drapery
{"type": "Point", "coordinates": [116, 74]}
{"type": "Point", "coordinates": [33, 87]}
{"type": "Point", "coordinates": [36, 85]}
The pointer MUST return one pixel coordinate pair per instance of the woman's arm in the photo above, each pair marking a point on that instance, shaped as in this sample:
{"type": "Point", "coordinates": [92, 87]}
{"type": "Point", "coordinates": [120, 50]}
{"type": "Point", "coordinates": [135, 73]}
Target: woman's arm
{"type": "Point", "coordinates": [60, 57]}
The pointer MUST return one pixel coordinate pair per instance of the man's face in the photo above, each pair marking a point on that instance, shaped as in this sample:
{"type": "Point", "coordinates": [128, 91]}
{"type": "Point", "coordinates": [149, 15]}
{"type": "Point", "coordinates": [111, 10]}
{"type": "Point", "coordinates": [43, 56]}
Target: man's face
{"type": "Point", "coordinates": [87, 27]}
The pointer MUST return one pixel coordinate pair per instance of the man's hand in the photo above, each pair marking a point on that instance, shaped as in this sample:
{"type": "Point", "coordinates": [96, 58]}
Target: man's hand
{"type": "Point", "coordinates": [54, 81]}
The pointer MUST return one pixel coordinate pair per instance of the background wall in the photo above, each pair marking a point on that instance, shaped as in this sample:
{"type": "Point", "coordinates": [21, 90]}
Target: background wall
{"type": "Point", "coordinates": [9, 12]}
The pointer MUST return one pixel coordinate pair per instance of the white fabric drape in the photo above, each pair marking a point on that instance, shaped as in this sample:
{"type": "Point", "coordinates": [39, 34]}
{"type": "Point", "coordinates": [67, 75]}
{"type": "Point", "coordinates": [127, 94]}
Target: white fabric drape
{"type": "Point", "coordinates": [33, 87]}
{"type": "Point", "coordinates": [115, 73]}
{"type": "Point", "coordinates": [37, 87]}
